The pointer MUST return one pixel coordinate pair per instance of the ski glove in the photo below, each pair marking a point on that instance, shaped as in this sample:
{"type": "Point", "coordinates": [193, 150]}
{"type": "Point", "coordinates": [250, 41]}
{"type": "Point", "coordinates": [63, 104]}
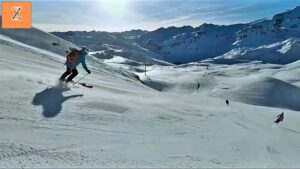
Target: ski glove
{"type": "Point", "coordinates": [88, 71]}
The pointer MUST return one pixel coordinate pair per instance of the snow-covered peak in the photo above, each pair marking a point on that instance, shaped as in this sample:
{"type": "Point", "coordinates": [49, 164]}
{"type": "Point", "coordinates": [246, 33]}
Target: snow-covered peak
{"type": "Point", "coordinates": [266, 31]}
{"type": "Point", "coordinates": [287, 20]}
{"type": "Point", "coordinates": [206, 26]}
{"type": "Point", "coordinates": [210, 41]}
{"type": "Point", "coordinates": [282, 52]}
{"type": "Point", "coordinates": [162, 34]}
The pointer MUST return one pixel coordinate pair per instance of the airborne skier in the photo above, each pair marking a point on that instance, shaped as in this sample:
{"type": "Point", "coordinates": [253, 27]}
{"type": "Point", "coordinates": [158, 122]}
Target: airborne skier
{"type": "Point", "coordinates": [74, 58]}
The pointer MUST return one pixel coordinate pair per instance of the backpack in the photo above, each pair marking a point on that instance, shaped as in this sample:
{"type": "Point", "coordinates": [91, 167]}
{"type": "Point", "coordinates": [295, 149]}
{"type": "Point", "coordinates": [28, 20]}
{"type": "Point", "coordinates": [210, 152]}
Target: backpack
{"type": "Point", "coordinates": [72, 56]}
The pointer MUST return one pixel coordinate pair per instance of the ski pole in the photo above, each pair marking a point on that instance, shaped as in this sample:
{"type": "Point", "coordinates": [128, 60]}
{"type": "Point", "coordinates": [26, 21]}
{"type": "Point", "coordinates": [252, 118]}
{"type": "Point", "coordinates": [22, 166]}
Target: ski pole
{"type": "Point", "coordinates": [80, 79]}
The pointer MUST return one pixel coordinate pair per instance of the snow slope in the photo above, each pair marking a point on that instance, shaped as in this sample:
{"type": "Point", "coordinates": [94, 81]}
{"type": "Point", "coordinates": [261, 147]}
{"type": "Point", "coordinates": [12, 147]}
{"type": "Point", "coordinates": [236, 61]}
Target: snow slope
{"type": "Point", "coordinates": [282, 52]}
{"type": "Point", "coordinates": [109, 45]}
{"type": "Point", "coordinates": [36, 38]}
{"type": "Point", "coordinates": [265, 91]}
{"type": "Point", "coordinates": [251, 83]}
{"type": "Point", "coordinates": [121, 123]}
{"type": "Point", "coordinates": [177, 119]}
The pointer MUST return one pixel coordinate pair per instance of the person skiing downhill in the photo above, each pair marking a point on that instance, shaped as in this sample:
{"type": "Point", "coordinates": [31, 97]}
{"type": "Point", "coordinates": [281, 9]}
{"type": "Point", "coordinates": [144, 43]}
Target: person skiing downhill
{"type": "Point", "coordinates": [74, 58]}
{"type": "Point", "coordinates": [280, 118]}
{"type": "Point", "coordinates": [227, 102]}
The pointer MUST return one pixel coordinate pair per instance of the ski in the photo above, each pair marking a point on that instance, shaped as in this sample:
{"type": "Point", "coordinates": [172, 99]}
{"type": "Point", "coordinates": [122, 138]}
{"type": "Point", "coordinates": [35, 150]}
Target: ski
{"type": "Point", "coordinates": [86, 85]}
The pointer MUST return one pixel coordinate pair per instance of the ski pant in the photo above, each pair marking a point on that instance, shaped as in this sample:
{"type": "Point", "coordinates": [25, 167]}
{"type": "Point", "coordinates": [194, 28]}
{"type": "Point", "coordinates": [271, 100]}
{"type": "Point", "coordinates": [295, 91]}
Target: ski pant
{"type": "Point", "coordinates": [277, 121]}
{"type": "Point", "coordinates": [69, 72]}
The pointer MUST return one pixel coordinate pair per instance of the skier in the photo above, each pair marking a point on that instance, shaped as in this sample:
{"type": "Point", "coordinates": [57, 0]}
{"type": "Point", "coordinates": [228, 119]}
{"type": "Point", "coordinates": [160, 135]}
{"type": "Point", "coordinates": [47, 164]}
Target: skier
{"type": "Point", "coordinates": [227, 102]}
{"type": "Point", "coordinates": [74, 58]}
{"type": "Point", "coordinates": [279, 118]}
{"type": "Point", "coordinates": [55, 44]}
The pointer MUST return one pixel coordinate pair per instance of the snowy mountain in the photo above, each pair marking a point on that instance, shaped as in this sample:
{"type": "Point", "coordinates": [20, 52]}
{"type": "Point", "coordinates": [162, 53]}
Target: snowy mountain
{"type": "Point", "coordinates": [37, 41]}
{"type": "Point", "coordinates": [161, 35]}
{"type": "Point", "coordinates": [36, 38]}
{"type": "Point", "coordinates": [281, 52]}
{"type": "Point", "coordinates": [178, 117]}
{"type": "Point", "coordinates": [259, 40]}
{"type": "Point", "coordinates": [263, 32]}
{"type": "Point", "coordinates": [111, 46]}
{"type": "Point", "coordinates": [196, 44]}
{"type": "Point", "coordinates": [133, 34]}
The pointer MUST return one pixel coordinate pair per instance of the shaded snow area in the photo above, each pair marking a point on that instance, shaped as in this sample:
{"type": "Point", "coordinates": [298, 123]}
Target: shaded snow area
{"type": "Point", "coordinates": [177, 118]}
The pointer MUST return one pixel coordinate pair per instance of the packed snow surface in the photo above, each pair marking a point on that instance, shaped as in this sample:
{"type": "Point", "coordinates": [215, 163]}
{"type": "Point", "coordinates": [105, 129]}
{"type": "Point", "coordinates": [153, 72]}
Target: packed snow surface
{"type": "Point", "coordinates": [177, 118]}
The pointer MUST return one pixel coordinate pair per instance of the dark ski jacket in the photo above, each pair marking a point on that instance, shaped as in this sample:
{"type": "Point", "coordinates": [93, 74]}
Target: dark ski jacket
{"type": "Point", "coordinates": [280, 118]}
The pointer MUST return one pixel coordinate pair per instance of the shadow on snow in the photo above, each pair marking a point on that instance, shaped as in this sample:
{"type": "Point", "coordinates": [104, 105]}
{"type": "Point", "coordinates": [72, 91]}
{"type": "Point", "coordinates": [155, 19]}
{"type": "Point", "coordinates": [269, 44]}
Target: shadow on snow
{"type": "Point", "coordinates": [51, 99]}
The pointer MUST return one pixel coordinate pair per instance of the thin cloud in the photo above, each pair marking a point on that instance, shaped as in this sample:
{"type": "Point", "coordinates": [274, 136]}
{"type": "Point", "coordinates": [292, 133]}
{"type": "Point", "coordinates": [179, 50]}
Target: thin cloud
{"type": "Point", "coordinates": [166, 11]}
{"type": "Point", "coordinates": [149, 15]}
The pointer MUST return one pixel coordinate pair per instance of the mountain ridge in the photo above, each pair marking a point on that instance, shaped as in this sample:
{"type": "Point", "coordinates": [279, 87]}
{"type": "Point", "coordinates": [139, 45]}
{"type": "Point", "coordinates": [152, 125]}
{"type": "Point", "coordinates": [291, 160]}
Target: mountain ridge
{"type": "Point", "coordinates": [209, 41]}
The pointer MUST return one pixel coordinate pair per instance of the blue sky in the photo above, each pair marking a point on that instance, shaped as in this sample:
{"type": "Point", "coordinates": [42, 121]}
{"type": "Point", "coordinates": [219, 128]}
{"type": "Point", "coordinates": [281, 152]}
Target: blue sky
{"type": "Point", "coordinates": [120, 15]}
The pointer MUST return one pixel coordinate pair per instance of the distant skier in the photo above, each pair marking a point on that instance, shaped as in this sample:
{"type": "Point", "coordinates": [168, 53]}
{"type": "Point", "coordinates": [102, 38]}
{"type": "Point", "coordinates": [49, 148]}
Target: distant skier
{"type": "Point", "coordinates": [55, 44]}
{"type": "Point", "coordinates": [280, 118]}
{"type": "Point", "coordinates": [74, 58]}
{"type": "Point", "coordinates": [227, 102]}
